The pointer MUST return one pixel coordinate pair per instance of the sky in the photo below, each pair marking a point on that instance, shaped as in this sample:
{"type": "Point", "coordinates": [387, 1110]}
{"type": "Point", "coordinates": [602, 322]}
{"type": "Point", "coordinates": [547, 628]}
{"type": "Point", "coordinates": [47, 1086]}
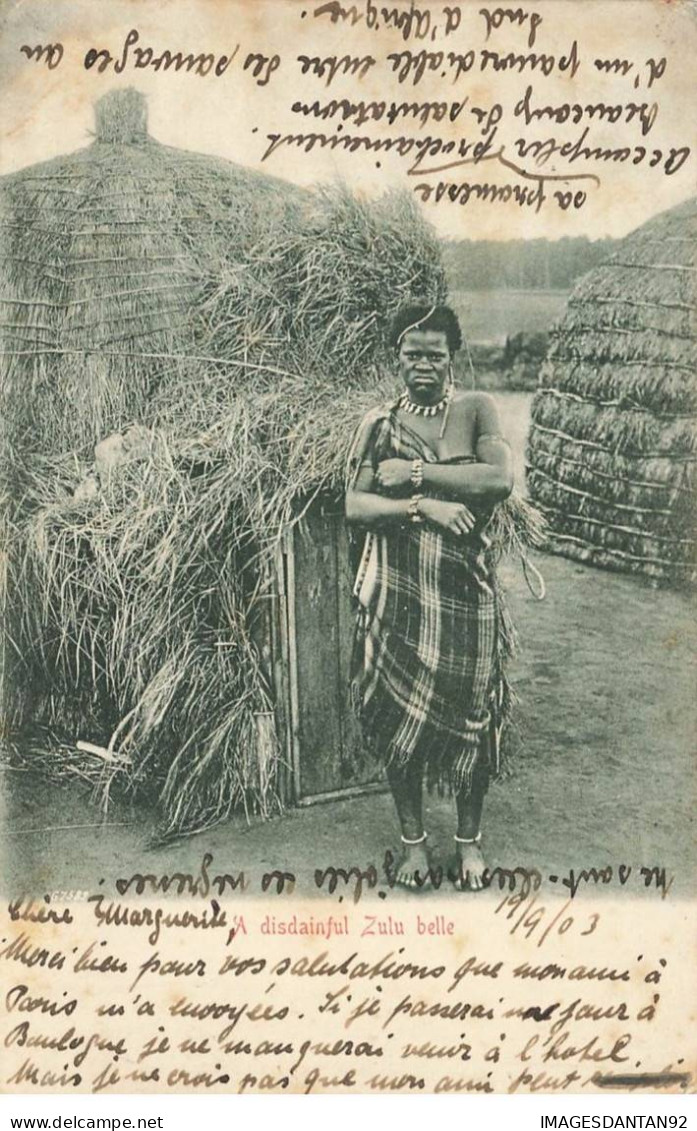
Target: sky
{"type": "Point", "coordinates": [47, 111]}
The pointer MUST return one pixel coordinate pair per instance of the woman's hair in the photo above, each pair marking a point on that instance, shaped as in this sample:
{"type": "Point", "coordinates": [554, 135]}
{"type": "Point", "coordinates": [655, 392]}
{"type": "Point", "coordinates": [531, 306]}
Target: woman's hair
{"type": "Point", "coordinates": [423, 315]}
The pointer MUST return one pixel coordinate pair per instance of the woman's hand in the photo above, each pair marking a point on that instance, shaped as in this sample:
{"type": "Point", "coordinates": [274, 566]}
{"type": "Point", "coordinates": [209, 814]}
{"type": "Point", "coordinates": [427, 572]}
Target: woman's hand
{"type": "Point", "coordinates": [393, 474]}
{"type": "Point", "coordinates": [455, 518]}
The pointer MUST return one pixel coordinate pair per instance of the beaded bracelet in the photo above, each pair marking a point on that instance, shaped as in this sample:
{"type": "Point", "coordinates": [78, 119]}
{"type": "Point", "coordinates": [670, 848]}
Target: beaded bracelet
{"type": "Point", "coordinates": [413, 509]}
{"type": "Point", "coordinates": [417, 473]}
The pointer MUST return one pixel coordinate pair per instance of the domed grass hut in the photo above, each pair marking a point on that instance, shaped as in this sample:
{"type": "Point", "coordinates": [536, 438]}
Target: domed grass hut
{"type": "Point", "coordinates": [613, 443]}
{"type": "Point", "coordinates": [185, 348]}
{"type": "Point", "coordinates": [105, 253]}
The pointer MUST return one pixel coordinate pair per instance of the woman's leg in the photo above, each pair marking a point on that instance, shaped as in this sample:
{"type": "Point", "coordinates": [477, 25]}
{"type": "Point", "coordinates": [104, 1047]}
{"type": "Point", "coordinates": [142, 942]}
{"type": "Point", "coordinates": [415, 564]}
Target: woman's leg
{"type": "Point", "coordinates": [406, 783]}
{"type": "Point", "coordinates": [469, 818]}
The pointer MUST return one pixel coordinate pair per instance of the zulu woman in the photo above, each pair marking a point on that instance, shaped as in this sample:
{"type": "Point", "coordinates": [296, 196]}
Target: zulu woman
{"type": "Point", "coordinates": [425, 474]}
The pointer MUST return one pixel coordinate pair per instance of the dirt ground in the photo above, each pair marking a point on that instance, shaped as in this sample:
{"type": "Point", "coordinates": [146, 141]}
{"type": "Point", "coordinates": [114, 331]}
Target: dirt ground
{"type": "Point", "coordinates": [605, 773]}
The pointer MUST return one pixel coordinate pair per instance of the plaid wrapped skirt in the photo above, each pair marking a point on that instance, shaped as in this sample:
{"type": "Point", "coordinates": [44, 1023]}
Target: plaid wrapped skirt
{"type": "Point", "coordinates": [428, 673]}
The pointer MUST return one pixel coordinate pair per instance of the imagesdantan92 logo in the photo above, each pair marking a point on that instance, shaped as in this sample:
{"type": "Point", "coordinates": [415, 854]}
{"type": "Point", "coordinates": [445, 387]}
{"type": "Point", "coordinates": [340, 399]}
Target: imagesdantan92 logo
{"type": "Point", "coordinates": [633, 1122]}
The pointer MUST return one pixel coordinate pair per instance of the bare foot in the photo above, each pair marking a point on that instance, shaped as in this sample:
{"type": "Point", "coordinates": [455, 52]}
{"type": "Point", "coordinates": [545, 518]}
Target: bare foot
{"type": "Point", "coordinates": [413, 870]}
{"type": "Point", "coordinates": [470, 867]}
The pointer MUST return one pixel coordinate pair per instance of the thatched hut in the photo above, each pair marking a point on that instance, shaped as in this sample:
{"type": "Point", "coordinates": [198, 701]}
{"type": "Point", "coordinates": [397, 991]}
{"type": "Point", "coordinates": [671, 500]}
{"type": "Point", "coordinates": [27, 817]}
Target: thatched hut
{"type": "Point", "coordinates": [613, 443]}
{"type": "Point", "coordinates": [186, 346]}
{"type": "Point", "coordinates": [105, 253]}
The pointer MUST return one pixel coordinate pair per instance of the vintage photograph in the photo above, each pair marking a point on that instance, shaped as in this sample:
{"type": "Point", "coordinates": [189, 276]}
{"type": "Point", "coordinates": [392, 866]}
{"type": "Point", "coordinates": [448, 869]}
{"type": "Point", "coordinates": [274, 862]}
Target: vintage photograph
{"type": "Point", "coordinates": [342, 528]}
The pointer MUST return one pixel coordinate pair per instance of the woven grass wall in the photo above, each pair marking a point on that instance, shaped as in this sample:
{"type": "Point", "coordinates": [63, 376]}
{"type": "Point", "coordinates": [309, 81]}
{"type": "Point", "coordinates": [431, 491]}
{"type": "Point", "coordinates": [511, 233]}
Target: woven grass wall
{"type": "Point", "coordinates": [185, 349]}
{"type": "Point", "coordinates": [613, 444]}
{"type": "Point", "coordinates": [105, 253]}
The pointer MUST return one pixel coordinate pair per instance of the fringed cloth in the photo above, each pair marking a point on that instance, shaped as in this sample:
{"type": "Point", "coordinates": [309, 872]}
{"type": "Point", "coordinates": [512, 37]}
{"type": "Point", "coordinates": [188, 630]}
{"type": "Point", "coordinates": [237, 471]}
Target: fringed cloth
{"type": "Point", "coordinates": [428, 677]}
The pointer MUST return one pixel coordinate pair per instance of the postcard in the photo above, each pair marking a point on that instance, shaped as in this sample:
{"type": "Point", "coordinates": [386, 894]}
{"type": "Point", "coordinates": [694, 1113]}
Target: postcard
{"type": "Point", "coordinates": [348, 399]}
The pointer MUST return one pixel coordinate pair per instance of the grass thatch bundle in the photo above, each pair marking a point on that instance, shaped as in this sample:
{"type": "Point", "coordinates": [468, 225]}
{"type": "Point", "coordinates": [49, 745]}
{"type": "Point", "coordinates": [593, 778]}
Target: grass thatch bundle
{"type": "Point", "coordinates": [235, 321]}
{"type": "Point", "coordinates": [613, 443]}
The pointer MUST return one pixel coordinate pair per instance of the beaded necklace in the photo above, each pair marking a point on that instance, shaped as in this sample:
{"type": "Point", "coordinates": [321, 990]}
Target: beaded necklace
{"type": "Point", "coordinates": [417, 409]}
{"type": "Point", "coordinates": [443, 405]}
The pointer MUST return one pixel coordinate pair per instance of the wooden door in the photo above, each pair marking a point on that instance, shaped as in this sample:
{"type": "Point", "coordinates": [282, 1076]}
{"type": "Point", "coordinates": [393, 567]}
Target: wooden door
{"type": "Point", "coordinates": [328, 754]}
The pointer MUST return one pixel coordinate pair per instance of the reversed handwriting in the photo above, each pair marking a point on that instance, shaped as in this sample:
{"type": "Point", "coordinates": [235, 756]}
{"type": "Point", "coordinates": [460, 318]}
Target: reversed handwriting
{"type": "Point", "coordinates": [184, 883]}
{"type": "Point", "coordinates": [140, 58]}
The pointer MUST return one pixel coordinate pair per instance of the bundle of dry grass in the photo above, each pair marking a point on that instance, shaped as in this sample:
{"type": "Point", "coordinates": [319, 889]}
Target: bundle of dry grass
{"type": "Point", "coordinates": [220, 312]}
{"type": "Point", "coordinates": [613, 445]}
{"type": "Point", "coordinates": [189, 349]}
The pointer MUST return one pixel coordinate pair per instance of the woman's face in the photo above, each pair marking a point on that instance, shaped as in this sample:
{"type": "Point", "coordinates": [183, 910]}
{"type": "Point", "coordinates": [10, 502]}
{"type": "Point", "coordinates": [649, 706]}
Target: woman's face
{"type": "Point", "coordinates": [424, 364]}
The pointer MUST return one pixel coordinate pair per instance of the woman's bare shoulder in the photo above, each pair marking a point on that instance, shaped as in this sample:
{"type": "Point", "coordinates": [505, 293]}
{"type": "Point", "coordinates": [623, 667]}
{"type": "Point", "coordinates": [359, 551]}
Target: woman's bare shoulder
{"type": "Point", "coordinates": [474, 398]}
{"type": "Point", "coordinates": [482, 407]}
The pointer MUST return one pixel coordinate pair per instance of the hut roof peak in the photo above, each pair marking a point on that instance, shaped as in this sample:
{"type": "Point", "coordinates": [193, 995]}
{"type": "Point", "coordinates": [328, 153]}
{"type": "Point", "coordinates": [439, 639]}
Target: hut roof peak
{"type": "Point", "coordinates": [121, 117]}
